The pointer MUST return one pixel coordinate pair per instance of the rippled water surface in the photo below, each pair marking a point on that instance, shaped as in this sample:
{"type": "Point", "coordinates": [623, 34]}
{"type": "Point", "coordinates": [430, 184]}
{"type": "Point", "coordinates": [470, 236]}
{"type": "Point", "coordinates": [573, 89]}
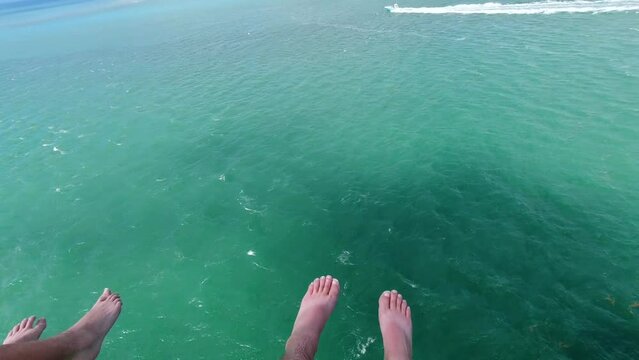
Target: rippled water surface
{"type": "Point", "coordinates": [208, 159]}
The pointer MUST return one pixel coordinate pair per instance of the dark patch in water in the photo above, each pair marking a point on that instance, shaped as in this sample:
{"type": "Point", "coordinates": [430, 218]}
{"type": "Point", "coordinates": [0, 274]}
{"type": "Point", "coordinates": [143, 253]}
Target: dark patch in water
{"type": "Point", "coordinates": [34, 5]}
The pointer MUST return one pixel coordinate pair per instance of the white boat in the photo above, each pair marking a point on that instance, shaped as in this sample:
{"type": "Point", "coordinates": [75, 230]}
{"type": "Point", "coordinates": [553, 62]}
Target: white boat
{"type": "Point", "coordinates": [391, 8]}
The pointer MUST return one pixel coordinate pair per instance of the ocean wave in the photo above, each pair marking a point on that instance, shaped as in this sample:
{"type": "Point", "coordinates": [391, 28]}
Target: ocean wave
{"type": "Point", "coordinates": [541, 7]}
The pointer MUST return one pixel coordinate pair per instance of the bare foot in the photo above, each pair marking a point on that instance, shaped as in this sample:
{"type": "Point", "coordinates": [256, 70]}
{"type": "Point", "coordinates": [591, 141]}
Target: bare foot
{"type": "Point", "coordinates": [317, 306]}
{"type": "Point", "coordinates": [89, 332]}
{"type": "Point", "coordinates": [396, 325]}
{"type": "Point", "coordinates": [25, 331]}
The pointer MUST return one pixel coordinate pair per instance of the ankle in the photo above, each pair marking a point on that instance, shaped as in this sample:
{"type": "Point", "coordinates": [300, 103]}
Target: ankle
{"type": "Point", "coordinates": [301, 346]}
{"type": "Point", "coordinates": [397, 354]}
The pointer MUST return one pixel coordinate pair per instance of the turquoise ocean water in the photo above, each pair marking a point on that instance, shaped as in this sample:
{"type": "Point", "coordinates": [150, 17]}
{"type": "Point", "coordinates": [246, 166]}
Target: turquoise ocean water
{"type": "Point", "coordinates": [207, 159]}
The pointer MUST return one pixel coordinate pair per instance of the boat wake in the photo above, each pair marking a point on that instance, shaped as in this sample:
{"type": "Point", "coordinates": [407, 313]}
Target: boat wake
{"type": "Point", "coordinates": [541, 7]}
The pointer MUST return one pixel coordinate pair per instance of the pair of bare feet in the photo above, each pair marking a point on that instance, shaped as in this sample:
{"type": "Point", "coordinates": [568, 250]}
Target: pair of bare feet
{"type": "Point", "coordinates": [82, 341]}
{"type": "Point", "coordinates": [317, 306]}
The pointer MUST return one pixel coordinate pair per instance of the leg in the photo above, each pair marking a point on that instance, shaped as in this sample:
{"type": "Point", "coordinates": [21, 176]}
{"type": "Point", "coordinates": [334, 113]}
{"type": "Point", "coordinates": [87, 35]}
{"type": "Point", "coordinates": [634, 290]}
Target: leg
{"type": "Point", "coordinates": [57, 348]}
{"type": "Point", "coordinates": [396, 326]}
{"type": "Point", "coordinates": [317, 306]}
{"type": "Point", "coordinates": [81, 342]}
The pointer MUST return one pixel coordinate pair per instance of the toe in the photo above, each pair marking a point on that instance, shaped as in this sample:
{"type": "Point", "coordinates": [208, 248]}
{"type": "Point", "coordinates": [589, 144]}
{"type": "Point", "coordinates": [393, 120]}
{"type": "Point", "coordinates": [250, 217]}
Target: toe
{"type": "Point", "coordinates": [404, 306]}
{"type": "Point", "coordinates": [30, 321]}
{"type": "Point", "coordinates": [16, 328]}
{"type": "Point", "coordinates": [408, 312]}
{"type": "Point", "coordinates": [316, 285]}
{"type": "Point", "coordinates": [384, 300]}
{"type": "Point", "coordinates": [328, 284]}
{"type": "Point", "coordinates": [105, 294]}
{"type": "Point", "coordinates": [334, 291]}
{"type": "Point", "coordinates": [40, 326]}
{"type": "Point", "coordinates": [322, 284]}
{"type": "Point", "coordinates": [310, 289]}
{"type": "Point", "coordinates": [23, 324]}
{"type": "Point", "coordinates": [393, 300]}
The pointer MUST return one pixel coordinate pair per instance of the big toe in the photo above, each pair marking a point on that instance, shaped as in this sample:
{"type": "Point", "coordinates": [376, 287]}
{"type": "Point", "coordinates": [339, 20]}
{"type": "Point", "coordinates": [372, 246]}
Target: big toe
{"type": "Point", "coordinates": [40, 326]}
{"type": "Point", "coordinates": [384, 301]}
{"type": "Point", "coordinates": [105, 294]}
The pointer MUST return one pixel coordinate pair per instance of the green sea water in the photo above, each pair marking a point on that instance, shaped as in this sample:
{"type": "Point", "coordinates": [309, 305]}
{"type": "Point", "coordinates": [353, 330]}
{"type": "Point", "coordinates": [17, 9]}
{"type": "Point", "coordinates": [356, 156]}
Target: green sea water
{"type": "Point", "coordinates": [207, 159]}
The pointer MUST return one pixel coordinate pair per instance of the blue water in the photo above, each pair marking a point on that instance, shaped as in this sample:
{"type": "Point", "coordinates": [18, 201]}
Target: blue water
{"type": "Point", "coordinates": [207, 159]}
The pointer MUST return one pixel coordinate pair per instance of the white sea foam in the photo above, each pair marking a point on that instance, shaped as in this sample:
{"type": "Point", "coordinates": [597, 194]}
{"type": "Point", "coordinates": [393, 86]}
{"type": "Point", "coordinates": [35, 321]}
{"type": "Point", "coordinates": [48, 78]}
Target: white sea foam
{"type": "Point", "coordinates": [362, 346]}
{"type": "Point", "coordinates": [262, 267]}
{"type": "Point", "coordinates": [541, 7]}
{"type": "Point", "coordinates": [344, 258]}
